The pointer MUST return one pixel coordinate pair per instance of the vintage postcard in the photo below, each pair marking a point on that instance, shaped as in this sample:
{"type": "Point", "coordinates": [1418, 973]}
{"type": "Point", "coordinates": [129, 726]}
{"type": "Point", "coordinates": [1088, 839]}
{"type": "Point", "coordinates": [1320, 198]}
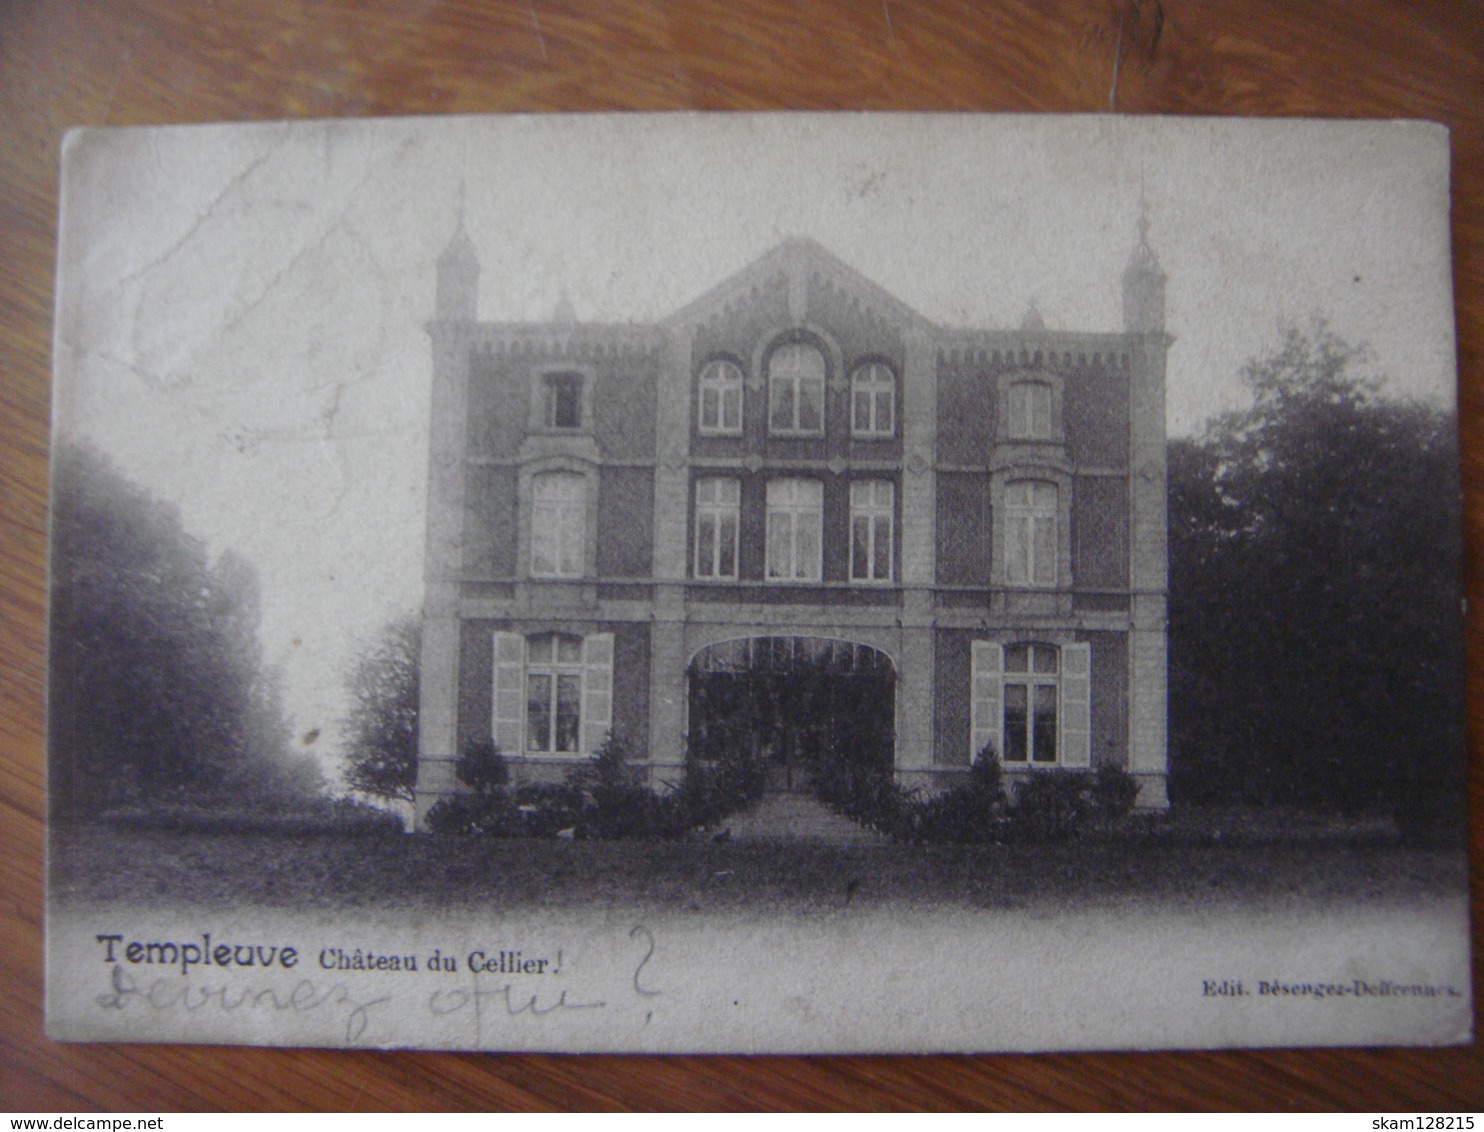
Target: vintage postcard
{"type": "Point", "coordinates": [757, 583]}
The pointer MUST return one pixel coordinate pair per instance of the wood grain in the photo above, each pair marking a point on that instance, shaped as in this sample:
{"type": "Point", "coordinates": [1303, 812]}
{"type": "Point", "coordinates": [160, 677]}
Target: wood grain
{"type": "Point", "coordinates": [155, 61]}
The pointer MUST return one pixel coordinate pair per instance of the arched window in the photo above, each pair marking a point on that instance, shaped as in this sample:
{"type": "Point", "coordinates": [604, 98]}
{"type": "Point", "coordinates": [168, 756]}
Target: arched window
{"type": "Point", "coordinates": [1028, 405]}
{"type": "Point", "coordinates": [796, 389]}
{"type": "Point", "coordinates": [1030, 533]}
{"type": "Point", "coordinates": [558, 525]}
{"type": "Point", "coordinates": [721, 399]}
{"type": "Point", "coordinates": [873, 401]}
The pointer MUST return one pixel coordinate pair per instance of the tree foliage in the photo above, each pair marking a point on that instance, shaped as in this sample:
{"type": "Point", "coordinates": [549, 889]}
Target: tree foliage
{"type": "Point", "coordinates": [157, 687]}
{"type": "Point", "coordinates": [1315, 623]}
{"type": "Point", "coordinates": [381, 729]}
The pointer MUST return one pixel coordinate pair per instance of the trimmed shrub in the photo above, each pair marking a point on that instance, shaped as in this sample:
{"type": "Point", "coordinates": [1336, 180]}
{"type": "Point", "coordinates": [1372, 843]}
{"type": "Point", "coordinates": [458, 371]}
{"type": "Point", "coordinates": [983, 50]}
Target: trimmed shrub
{"type": "Point", "coordinates": [485, 808]}
{"type": "Point", "coordinates": [1114, 792]}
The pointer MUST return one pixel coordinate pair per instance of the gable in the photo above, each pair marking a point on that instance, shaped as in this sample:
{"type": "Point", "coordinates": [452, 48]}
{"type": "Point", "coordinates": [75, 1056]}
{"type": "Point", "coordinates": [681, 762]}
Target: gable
{"type": "Point", "coordinates": [807, 275]}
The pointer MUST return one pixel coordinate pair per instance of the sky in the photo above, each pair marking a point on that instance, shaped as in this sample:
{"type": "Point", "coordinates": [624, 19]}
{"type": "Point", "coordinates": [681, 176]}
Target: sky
{"type": "Point", "coordinates": [241, 309]}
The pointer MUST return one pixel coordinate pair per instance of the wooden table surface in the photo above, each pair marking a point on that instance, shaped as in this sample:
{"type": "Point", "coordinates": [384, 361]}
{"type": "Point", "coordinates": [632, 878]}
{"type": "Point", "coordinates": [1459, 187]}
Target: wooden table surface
{"type": "Point", "coordinates": [130, 62]}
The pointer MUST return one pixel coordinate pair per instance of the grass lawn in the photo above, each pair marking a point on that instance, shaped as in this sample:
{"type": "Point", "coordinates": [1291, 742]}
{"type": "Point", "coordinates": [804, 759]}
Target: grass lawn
{"type": "Point", "coordinates": [92, 865]}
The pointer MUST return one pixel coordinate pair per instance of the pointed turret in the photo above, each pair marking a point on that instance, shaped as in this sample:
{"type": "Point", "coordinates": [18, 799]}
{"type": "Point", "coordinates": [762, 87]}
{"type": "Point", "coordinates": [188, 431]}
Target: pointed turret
{"type": "Point", "coordinates": [458, 275]}
{"type": "Point", "coordinates": [1143, 284]}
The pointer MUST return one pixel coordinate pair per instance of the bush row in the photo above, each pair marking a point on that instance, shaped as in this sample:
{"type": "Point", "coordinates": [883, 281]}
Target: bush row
{"type": "Point", "coordinates": [602, 798]}
{"type": "Point", "coordinates": [336, 817]}
{"type": "Point", "coordinates": [1049, 805]}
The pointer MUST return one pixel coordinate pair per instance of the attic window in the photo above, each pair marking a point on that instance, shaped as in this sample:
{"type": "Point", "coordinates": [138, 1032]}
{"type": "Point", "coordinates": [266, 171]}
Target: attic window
{"type": "Point", "coordinates": [563, 400]}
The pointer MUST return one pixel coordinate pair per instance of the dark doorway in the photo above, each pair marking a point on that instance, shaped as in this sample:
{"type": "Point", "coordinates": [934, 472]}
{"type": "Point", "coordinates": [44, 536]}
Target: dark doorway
{"type": "Point", "coordinates": [792, 703]}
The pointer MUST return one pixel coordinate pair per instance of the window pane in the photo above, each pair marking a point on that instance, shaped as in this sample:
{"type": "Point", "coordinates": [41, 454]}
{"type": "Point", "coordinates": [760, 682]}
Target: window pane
{"type": "Point", "coordinates": [1040, 411]}
{"type": "Point", "coordinates": [1015, 658]}
{"type": "Point", "coordinates": [1045, 551]}
{"type": "Point", "coordinates": [705, 546]}
{"type": "Point", "coordinates": [1044, 728]}
{"type": "Point", "coordinates": [860, 547]}
{"type": "Point", "coordinates": [811, 403]}
{"type": "Point", "coordinates": [569, 649]}
{"type": "Point", "coordinates": [1018, 494]}
{"type": "Point", "coordinates": [538, 712]}
{"type": "Point", "coordinates": [808, 546]}
{"type": "Point", "coordinates": [781, 395]}
{"type": "Point", "coordinates": [1017, 551]}
{"type": "Point", "coordinates": [731, 417]}
{"type": "Point", "coordinates": [780, 544]}
{"type": "Point", "coordinates": [1043, 659]}
{"type": "Point", "coordinates": [1015, 723]}
{"type": "Point", "coordinates": [884, 399]}
{"type": "Point", "coordinates": [564, 400]}
{"type": "Point", "coordinates": [860, 419]}
{"type": "Point", "coordinates": [569, 696]}
{"type": "Point", "coordinates": [543, 546]}
{"type": "Point", "coordinates": [710, 407]}
{"type": "Point", "coordinates": [882, 552]}
{"type": "Point", "coordinates": [727, 556]}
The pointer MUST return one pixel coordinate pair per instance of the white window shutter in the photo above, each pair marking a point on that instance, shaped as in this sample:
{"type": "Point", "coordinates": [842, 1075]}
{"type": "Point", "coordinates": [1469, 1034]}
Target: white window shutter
{"type": "Point", "coordinates": [1076, 706]}
{"type": "Point", "coordinates": [987, 670]}
{"type": "Point", "coordinates": [597, 690]}
{"type": "Point", "coordinates": [509, 708]}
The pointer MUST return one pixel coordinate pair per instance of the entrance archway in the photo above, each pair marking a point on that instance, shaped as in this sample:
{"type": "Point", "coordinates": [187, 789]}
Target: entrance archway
{"type": "Point", "coordinates": [793, 704]}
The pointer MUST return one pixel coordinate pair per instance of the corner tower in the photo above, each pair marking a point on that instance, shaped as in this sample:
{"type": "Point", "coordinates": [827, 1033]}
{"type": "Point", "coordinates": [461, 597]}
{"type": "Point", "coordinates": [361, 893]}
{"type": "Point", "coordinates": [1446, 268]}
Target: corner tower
{"type": "Point", "coordinates": [452, 329]}
{"type": "Point", "coordinates": [1149, 344]}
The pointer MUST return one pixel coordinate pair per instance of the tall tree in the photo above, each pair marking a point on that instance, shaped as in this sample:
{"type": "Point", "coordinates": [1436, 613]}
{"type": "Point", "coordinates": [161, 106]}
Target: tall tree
{"type": "Point", "coordinates": [381, 729]}
{"type": "Point", "coordinates": [156, 683]}
{"type": "Point", "coordinates": [1315, 618]}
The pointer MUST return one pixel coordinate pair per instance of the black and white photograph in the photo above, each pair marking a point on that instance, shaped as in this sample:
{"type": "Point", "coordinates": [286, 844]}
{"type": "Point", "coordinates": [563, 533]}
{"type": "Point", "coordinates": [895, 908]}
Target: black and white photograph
{"type": "Point", "coordinates": [779, 583]}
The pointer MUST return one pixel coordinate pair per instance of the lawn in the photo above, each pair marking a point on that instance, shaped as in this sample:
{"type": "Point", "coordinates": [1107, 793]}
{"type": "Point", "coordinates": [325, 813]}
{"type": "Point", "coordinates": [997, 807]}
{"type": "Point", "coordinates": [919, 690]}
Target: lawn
{"type": "Point", "coordinates": [92, 865]}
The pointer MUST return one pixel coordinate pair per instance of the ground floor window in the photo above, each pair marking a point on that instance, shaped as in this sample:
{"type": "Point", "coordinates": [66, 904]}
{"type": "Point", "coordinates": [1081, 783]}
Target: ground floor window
{"type": "Point", "coordinates": [1031, 703]}
{"type": "Point", "coordinates": [552, 693]}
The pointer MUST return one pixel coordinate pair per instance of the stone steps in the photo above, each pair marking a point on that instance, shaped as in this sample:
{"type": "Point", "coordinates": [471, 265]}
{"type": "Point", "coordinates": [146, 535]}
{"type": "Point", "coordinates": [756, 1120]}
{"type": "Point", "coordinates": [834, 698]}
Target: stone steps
{"type": "Point", "coordinates": [798, 817]}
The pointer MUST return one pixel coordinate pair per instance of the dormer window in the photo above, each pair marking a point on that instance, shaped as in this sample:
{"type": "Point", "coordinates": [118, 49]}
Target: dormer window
{"type": "Point", "coordinates": [721, 399]}
{"type": "Point", "coordinates": [796, 390]}
{"type": "Point", "coordinates": [563, 392]}
{"type": "Point", "coordinates": [1028, 409]}
{"type": "Point", "coordinates": [873, 401]}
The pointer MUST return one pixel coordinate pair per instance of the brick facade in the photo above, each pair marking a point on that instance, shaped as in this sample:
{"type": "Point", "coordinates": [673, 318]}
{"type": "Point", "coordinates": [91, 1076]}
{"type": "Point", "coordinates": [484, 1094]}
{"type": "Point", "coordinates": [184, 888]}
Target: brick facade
{"type": "Point", "coordinates": [799, 456]}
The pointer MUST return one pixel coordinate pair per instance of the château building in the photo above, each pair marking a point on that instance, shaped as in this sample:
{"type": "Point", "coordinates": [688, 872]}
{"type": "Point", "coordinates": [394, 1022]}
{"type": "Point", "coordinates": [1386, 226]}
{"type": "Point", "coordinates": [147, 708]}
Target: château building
{"type": "Point", "coordinates": [646, 527]}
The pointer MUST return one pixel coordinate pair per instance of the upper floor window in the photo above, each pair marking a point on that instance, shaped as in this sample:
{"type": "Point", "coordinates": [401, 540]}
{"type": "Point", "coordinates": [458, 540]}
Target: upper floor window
{"type": "Point", "coordinates": [795, 517]}
{"type": "Point", "coordinates": [563, 406]}
{"type": "Point", "coordinates": [1030, 533]}
{"type": "Point", "coordinates": [873, 401]}
{"type": "Point", "coordinates": [718, 509]}
{"type": "Point", "coordinates": [1029, 409]}
{"type": "Point", "coordinates": [558, 525]}
{"type": "Point", "coordinates": [796, 389]}
{"type": "Point", "coordinates": [871, 518]}
{"type": "Point", "coordinates": [721, 399]}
